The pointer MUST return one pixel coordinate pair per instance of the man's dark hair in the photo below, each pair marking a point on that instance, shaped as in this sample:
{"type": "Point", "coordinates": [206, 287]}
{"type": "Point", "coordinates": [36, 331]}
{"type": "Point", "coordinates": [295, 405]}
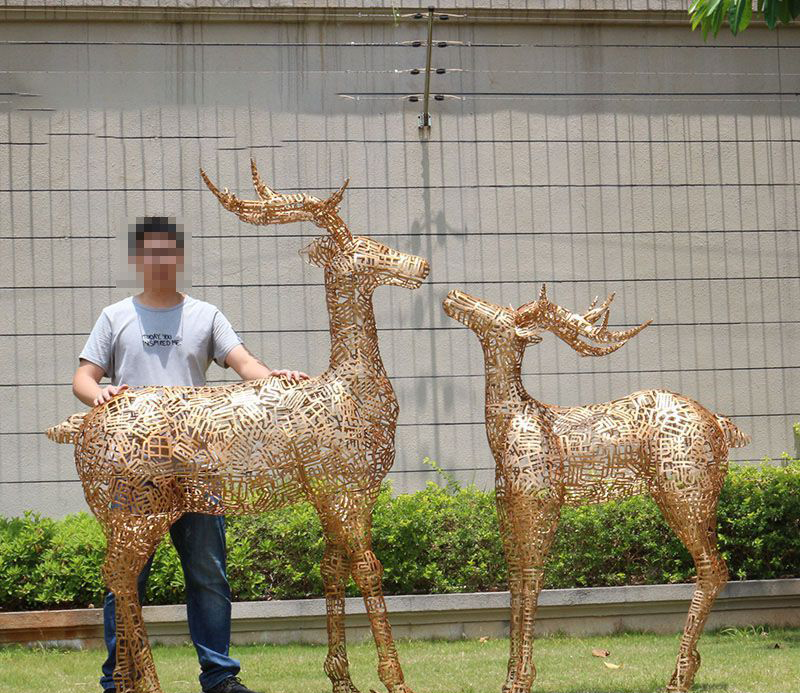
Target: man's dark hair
{"type": "Point", "coordinates": [147, 225]}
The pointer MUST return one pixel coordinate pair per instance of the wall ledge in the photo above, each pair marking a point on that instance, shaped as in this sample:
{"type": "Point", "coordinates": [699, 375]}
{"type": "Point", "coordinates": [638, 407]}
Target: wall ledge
{"type": "Point", "coordinates": [581, 611]}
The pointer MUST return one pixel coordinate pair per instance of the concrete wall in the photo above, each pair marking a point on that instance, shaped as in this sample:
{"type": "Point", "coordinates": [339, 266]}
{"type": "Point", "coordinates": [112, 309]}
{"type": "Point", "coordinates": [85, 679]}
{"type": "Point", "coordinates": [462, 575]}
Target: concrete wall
{"type": "Point", "coordinates": [594, 152]}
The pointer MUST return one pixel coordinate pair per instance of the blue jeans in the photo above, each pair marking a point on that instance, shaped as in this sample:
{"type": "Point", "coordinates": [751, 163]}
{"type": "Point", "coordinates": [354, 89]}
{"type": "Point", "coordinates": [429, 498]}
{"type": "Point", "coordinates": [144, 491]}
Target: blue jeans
{"type": "Point", "coordinates": [200, 543]}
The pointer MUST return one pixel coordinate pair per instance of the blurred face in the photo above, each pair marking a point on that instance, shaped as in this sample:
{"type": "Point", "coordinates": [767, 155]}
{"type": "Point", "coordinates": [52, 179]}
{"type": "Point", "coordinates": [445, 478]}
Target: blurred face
{"type": "Point", "coordinates": [158, 261]}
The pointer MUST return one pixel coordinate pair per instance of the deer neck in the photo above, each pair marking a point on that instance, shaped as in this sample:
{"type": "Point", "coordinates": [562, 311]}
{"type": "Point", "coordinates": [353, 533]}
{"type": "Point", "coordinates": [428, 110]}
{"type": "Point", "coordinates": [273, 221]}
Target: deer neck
{"type": "Point", "coordinates": [354, 337]}
{"type": "Point", "coordinates": [505, 393]}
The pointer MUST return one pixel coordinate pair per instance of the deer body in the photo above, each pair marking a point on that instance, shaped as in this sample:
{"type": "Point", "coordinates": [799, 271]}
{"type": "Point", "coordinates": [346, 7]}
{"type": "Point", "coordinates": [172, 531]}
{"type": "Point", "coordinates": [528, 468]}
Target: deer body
{"type": "Point", "coordinates": [196, 435]}
{"type": "Point", "coordinates": [151, 454]}
{"type": "Point", "coordinates": [547, 457]}
{"type": "Point", "coordinates": [621, 460]}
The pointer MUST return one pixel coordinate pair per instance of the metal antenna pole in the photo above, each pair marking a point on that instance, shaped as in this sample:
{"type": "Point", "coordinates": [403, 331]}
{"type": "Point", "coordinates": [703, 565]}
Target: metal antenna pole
{"type": "Point", "coordinates": [425, 116]}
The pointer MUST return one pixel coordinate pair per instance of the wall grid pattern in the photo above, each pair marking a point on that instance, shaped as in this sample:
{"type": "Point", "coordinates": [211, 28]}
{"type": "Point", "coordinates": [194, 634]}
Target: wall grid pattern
{"type": "Point", "coordinates": [598, 156]}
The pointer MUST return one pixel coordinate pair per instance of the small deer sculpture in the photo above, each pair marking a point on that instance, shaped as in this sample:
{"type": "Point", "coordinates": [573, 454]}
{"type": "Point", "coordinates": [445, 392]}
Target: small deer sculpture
{"type": "Point", "coordinates": [151, 454]}
{"type": "Point", "coordinates": [546, 457]}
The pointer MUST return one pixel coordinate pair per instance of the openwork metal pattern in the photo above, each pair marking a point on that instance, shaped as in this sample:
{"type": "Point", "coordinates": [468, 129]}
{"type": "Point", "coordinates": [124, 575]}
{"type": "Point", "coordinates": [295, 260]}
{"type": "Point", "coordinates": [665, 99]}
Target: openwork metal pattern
{"type": "Point", "coordinates": [151, 454]}
{"type": "Point", "coordinates": [546, 457]}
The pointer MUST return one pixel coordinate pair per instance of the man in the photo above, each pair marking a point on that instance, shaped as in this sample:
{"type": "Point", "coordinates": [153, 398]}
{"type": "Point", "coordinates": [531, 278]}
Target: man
{"type": "Point", "coordinates": [164, 337]}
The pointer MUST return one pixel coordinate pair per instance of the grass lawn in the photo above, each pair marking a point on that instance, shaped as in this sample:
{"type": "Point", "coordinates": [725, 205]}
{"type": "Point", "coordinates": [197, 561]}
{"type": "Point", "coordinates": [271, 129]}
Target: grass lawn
{"type": "Point", "coordinates": [733, 660]}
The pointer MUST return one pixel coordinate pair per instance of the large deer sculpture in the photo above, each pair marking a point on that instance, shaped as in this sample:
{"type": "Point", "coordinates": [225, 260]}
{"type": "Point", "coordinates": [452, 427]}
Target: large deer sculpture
{"type": "Point", "coordinates": [546, 457]}
{"type": "Point", "coordinates": [151, 454]}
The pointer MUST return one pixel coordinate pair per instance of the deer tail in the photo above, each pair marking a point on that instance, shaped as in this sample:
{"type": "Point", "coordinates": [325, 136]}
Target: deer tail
{"type": "Point", "coordinates": [734, 436]}
{"type": "Point", "coordinates": [67, 430]}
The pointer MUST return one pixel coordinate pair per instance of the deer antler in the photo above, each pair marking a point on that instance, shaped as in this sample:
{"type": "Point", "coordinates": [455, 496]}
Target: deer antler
{"type": "Point", "coordinates": [592, 315]}
{"type": "Point", "coordinates": [281, 208]}
{"type": "Point", "coordinates": [573, 328]}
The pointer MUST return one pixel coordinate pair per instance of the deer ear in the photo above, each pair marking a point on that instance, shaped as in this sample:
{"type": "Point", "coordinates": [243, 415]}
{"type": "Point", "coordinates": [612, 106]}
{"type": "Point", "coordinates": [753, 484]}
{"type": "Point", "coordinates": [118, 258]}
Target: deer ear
{"type": "Point", "coordinates": [532, 335]}
{"type": "Point", "coordinates": [320, 251]}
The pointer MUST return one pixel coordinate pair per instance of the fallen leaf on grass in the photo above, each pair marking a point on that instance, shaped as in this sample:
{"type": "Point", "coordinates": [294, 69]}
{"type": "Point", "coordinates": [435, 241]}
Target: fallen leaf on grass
{"type": "Point", "coordinates": [611, 665]}
{"type": "Point", "coordinates": [483, 639]}
{"type": "Point", "coordinates": [600, 652]}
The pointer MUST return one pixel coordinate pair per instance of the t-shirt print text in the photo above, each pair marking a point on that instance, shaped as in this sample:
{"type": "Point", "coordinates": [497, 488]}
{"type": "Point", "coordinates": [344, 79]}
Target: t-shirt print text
{"type": "Point", "coordinates": [160, 339]}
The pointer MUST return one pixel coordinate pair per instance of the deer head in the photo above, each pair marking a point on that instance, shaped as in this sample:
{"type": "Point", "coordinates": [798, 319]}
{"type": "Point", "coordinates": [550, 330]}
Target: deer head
{"type": "Point", "coordinates": [586, 333]}
{"type": "Point", "coordinates": [363, 259]}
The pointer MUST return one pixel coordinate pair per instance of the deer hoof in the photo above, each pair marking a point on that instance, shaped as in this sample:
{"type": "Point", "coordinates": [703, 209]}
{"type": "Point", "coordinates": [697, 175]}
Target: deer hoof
{"type": "Point", "coordinates": [683, 676]}
{"type": "Point", "coordinates": [345, 687]}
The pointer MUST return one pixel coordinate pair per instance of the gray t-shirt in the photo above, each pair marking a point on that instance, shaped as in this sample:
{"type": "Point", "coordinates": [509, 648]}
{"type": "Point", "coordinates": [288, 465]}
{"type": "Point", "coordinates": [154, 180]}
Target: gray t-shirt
{"type": "Point", "coordinates": [139, 345]}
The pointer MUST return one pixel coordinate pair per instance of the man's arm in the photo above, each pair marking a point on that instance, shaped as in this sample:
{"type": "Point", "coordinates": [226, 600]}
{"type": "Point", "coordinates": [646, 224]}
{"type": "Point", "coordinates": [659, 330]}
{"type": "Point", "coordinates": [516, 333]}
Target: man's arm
{"type": "Point", "coordinates": [250, 367]}
{"type": "Point", "coordinates": [86, 384]}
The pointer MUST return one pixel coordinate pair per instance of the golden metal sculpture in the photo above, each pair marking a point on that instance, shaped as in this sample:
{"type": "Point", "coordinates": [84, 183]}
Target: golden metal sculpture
{"type": "Point", "coordinates": [151, 454]}
{"type": "Point", "coordinates": [546, 457]}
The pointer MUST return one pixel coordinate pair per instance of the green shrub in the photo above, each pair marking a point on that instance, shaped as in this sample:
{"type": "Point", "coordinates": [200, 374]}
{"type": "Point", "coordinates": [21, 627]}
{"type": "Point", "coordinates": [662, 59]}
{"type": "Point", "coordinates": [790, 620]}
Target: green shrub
{"type": "Point", "coordinates": [46, 563]}
{"type": "Point", "coordinates": [440, 539]}
{"type": "Point", "coordinates": [276, 555]}
{"type": "Point", "coordinates": [23, 541]}
{"type": "Point", "coordinates": [759, 522]}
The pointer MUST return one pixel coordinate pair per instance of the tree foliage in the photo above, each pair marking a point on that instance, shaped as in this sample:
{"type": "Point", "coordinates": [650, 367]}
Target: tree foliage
{"type": "Point", "coordinates": [710, 14]}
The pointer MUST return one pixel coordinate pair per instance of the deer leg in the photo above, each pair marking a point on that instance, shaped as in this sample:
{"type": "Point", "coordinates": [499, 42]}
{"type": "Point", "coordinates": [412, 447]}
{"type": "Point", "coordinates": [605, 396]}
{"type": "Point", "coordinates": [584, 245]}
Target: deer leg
{"type": "Point", "coordinates": [696, 528]}
{"type": "Point", "coordinates": [530, 529]}
{"type": "Point", "coordinates": [367, 571]}
{"type": "Point", "coordinates": [130, 541]}
{"type": "Point", "coordinates": [335, 572]}
{"type": "Point", "coordinates": [514, 583]}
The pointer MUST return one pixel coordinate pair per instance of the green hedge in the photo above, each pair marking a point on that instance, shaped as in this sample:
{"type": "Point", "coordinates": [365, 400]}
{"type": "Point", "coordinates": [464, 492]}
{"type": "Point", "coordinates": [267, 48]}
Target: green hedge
{"type": "Point", "coordinates": [440, 539]}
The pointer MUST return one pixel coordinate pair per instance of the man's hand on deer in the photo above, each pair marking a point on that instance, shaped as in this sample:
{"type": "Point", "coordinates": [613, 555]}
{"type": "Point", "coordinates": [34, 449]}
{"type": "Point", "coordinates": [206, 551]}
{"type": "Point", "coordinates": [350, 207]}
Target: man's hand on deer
{"type": "Point", "coordinates": [289, 375]}
{"type": "Point", "coordinates": [107, 393]}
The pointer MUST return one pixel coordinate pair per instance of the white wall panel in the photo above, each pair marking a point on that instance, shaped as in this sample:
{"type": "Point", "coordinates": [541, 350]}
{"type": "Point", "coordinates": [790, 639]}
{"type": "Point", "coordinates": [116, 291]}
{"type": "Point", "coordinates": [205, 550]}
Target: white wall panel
{"type": "Point", "coordinates": [596, 157]}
